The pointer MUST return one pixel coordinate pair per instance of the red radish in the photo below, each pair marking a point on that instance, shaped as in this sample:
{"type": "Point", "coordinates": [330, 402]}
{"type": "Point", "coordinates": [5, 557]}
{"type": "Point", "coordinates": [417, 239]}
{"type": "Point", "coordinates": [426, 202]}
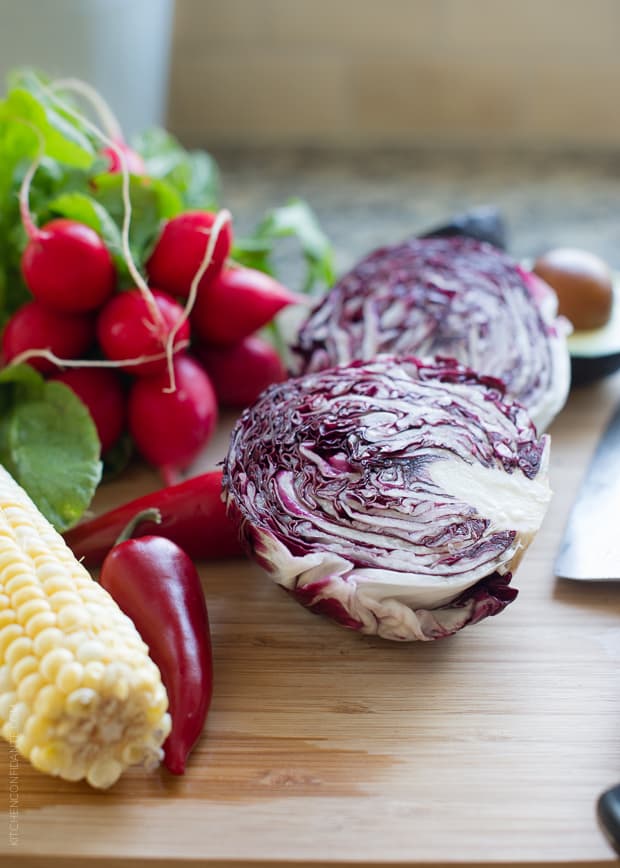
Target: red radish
{"type": "Point", "coordinates": [180, 249]}
{"type": "Point", "coordinates": [236, 303]}
{"type": "Point", "coordinates": [240, 372]}
{"type": "Point", "coordinates": [171, 427]}
{"type": "Point", "coordinates": [35, 327]}
{"type": "Point", "coordinates": [126, 329]}
{"type": "Point", "coordinates": [67, 266]}
{"type": "Point", "coordinates": [133, 160]}
{"type": "Point", "coordinates": [101, 390]}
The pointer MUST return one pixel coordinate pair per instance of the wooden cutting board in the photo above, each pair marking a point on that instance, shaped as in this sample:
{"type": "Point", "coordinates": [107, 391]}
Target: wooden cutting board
{"type": "Point", "coordinates": [324, 747]}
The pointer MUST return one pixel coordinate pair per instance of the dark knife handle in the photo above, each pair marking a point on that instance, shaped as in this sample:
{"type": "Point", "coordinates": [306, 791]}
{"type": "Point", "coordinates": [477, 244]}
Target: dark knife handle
{"type": "Point", "coordinates": [608, 813]}
{"type": "Point", "coordinates": [484, 223]}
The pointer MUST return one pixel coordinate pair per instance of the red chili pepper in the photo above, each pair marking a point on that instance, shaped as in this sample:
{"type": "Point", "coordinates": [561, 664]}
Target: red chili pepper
{"type": "Point", "coordinates": [156, 584]}
{"type": "Point", "coordinates": [192, 515]}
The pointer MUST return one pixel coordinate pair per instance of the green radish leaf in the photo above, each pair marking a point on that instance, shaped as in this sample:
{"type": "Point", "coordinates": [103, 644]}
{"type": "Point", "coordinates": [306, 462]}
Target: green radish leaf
{"type": "Point", "coordinates": [19, 383]}
{"type": "Point", "coordinates": [297, 219]}
{"type": "Point", "coordinates": [18, 146]}
{"type": "Point", "coordinates": [152, 202]}
{"type": "Point", "coordinates": [47, 438]}
{"type": "Point", "coordinates": [169, 201]}
{"type": "Point", "coordinates": [254, 253]}
{"type": "Point", "coordinates": [203, 181]}
{"type": "Point", "coordinates": [194, 174]}
{"type": "Point", "coordinates": [62, 140]}
{"type": "Point", "coordinates": [62, 113]}
{"type": "Point", "coordinates": [53, 178]}
{"type": "Point", "coordinates": [116, 459]}
{"type": "Point", "coordinates": [154, 143]}
{"type": "Point", "coordinates": [13, 290]}
{"type": "Point", "coordinates": [50, 446]}
{"type": "Point", "coordinates": [85, 209]}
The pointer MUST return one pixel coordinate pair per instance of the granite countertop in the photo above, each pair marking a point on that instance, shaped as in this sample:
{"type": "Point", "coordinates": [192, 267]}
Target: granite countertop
{"type": "Point", "coordinates": [368, 198]}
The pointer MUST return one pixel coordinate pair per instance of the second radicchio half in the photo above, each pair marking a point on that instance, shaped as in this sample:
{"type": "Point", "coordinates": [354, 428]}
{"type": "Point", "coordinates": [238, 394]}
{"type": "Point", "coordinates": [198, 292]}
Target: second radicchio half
{"type": "Point", "coordinates": [395, 496]}
{"type": "Point", "coordinates": [454, 297]}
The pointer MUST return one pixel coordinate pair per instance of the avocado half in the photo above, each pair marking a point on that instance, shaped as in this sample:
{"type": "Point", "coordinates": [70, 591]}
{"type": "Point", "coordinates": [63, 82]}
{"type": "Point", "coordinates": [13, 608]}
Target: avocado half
{"type": "Point", "coordinates": [595, 353]}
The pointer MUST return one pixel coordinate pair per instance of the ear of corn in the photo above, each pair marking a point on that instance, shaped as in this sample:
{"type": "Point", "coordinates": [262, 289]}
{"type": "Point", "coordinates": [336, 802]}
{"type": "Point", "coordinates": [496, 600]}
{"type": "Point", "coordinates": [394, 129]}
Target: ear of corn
{"type": "Point", "coordinates": [79, 696]}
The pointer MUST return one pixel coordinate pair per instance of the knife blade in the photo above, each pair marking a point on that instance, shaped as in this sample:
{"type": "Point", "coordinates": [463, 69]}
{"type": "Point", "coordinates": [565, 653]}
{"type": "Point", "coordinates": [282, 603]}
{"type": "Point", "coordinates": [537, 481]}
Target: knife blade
{"type": "Point", "coordinates": [590, 546]}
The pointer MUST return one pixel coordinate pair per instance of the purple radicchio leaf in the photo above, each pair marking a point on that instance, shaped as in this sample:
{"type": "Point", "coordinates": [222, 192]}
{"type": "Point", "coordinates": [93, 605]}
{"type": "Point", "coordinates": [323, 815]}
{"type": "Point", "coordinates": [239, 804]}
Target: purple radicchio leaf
{"type": "Point", "coordinates": [396, 496]}
{"type": "Point", "coordinates": [455, 297]}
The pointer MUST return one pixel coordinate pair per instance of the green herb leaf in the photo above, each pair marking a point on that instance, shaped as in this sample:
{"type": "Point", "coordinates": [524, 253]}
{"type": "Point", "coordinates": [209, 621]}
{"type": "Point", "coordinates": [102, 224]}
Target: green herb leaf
{"type": "Point", "coordinates": [49, 444]}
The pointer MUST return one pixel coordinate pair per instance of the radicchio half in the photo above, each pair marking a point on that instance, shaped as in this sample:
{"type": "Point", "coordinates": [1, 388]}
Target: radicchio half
{"type": "Point", "coordinates": [446, 296]}
{"type": "Point", "coordinates": [395, 496]}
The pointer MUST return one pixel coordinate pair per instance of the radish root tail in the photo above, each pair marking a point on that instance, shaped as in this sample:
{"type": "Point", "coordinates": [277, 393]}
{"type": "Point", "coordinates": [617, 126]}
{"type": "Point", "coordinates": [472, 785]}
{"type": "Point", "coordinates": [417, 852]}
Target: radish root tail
{"type": "Point", "coordinates": [24, 190]}
{"type": "Point", "coordinates": [222, 218]}
{"type": "Point", "coordinates": [126, 196]}
{"type": "Point", "coordinates": [109, 120]}
{"type": "Point", "coordinates": [110, 139]}
{"type": "Point", "coordinates": [89, 363]}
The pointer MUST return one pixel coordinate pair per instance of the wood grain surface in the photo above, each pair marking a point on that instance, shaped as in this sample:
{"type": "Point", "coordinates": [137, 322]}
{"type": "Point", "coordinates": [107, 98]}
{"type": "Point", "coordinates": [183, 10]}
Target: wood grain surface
{"type": "Point", "coordinates": [324, 747]}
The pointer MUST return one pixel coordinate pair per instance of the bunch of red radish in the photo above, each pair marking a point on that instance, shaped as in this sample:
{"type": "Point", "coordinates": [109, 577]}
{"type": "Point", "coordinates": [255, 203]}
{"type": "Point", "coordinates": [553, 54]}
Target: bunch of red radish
{"type": "Point", "coordinates": [157, 359]}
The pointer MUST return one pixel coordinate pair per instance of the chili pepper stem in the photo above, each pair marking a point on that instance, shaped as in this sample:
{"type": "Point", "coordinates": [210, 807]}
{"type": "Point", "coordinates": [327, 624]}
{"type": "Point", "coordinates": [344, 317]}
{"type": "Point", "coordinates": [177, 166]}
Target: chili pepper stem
{"type": "Point", "coordinates": [151, 514]}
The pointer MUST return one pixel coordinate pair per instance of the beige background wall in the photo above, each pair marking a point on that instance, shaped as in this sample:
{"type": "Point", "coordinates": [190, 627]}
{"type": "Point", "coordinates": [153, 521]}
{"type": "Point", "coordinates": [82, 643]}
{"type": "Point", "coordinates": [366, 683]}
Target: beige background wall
{"type": "Point", "coordinates": [396, 71]}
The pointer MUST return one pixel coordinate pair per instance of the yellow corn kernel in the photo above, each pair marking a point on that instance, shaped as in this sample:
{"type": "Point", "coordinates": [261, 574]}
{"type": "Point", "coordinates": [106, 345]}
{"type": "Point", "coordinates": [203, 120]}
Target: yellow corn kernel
{"type": "Point", "coordinates": [94, 672]}
{"type": "Point", "coordinates": [29, 608]}
{"type": "Point", "coordinates": [73, 617]}
{"type": "Point", "coordinates": [6, 681]}
{"type": "Point", "coordinates": [67, 604]}
{"type": "Point", "coordinates": [29, 686]}
{"type": "Point", "coordinates": [48, 640]}
{"type": "Point", "coordinates": [23, 667]}
{"type": "Point", "coordinates": [50, 702]}
{"type": "Point", "coordinates": [39, 622]}
{"type": "Point", "coordinates": [89, 650]}
{"type": "Point", "coordinates": [7, 616]}
{"type": "Point", "coordinates": [8, 635]}
{"type": "Point", "coordinates": [52, 758]}
{"type": "Point", "coordinates": [7, 701]}
{"type": "Point", "coordinates": [21, 647]}
{"type": "Point", "coordinates": [13, 576]}
{"type": "Point", "coordinates": [70, 677]}
{"type": "Point", "coordinates": [53, 662]}
{"type": "Point", "coordinates": [37, 729]}
{"type": "Point", "coordinates": [28, 596]}
{"type": "Point", "coordinates": [81, 701]}
{"type": "Point", "coordinates": [104, 773]}
{"type": "Point", "coordinates": [79, 695]}
{"type": "Point", "coordinates": [18, 716]}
